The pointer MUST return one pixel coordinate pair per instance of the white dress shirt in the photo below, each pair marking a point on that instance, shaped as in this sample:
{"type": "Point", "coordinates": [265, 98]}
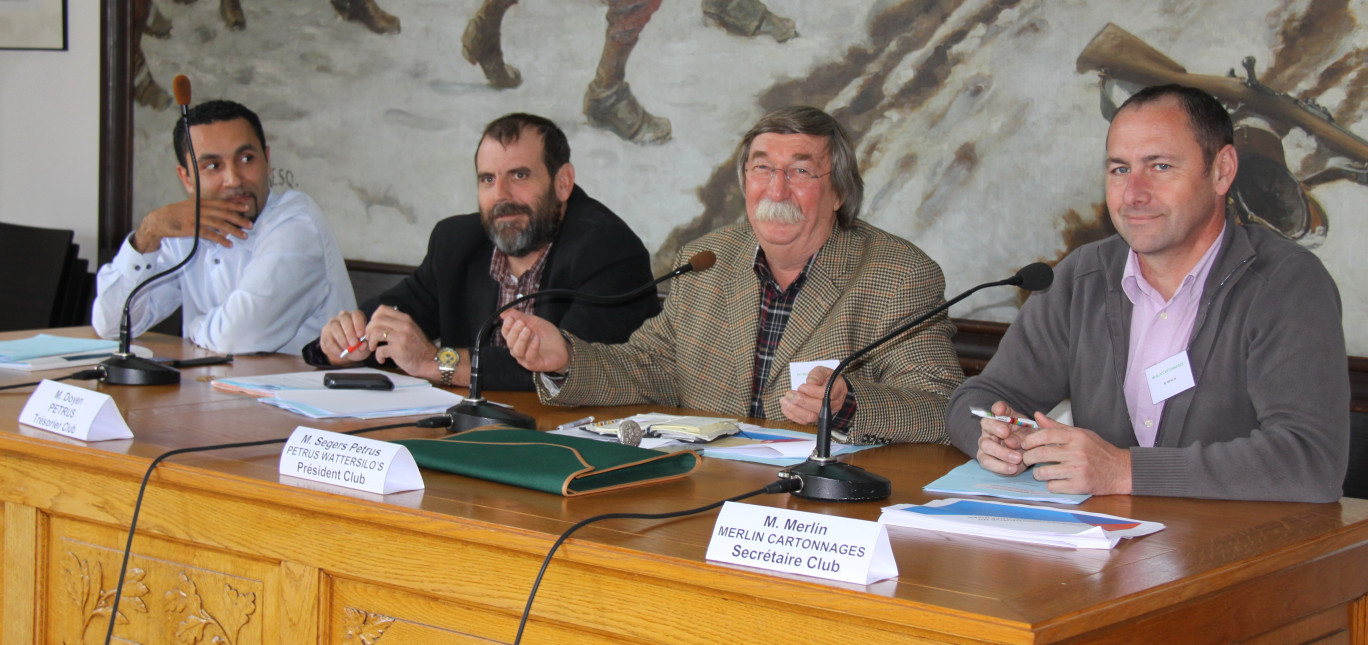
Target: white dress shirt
{"type": "Point", "coordinates": [271, 292]}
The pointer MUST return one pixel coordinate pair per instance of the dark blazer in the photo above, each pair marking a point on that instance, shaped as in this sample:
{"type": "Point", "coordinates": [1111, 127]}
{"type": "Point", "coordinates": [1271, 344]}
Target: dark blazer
{"type": "Point", "coordinates": [451, 295]}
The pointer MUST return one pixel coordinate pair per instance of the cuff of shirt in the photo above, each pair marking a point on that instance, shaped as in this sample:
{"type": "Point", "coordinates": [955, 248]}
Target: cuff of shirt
{"type": "Point", "coordinates": [130, 262]}
{"type": "Point", "coordinates": [313, 354]}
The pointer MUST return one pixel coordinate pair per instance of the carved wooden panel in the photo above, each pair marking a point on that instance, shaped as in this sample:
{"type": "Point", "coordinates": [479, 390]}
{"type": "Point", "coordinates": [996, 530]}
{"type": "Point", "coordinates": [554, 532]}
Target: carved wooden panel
{"type": "Point", "coordinates": [172, 593]}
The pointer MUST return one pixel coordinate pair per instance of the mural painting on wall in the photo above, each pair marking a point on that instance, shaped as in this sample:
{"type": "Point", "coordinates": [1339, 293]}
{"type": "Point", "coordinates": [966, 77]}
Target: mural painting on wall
{"type": "Point", "coordinates": [977, 121]}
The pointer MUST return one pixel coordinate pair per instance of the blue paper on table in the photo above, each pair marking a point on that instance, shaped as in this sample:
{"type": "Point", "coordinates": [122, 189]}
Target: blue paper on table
{"type": "Point", "coordinates": [972, 479]}
{"type": "Point", "coordinates": [48, 345]}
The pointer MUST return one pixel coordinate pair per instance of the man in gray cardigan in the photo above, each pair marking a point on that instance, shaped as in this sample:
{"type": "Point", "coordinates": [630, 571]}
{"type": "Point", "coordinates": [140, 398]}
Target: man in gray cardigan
{"type": "Point", "coordinates": [1202, 358]}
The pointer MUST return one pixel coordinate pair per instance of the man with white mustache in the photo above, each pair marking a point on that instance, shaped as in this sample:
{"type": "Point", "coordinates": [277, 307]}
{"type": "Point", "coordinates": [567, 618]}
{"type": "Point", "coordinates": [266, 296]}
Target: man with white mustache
{"type": "Point", "coordinates": [802, 280]}
{"type": "Point", "coordinates": [536, 230]}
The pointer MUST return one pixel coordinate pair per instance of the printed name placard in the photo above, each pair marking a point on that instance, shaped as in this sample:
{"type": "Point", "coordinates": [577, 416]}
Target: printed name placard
{"type": "Point", "coordinates": [74, 412]}
{"type": "Point", "coordinates": [809, 544]}
{"type": "Point", "coordinates": [352, 462]}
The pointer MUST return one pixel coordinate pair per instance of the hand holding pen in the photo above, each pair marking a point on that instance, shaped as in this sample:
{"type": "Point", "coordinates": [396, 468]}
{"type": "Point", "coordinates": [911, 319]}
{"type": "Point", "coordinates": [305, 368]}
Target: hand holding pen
{"type": "Point", "coordinates": [336, 339]}
{"type": "Point", "coordinates": [1010, 420]}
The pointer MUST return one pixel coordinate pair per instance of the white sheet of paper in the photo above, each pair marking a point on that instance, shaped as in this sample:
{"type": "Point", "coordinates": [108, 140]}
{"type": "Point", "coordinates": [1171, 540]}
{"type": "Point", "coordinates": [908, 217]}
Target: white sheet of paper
{"type": "Point", "coordinates": [773, 449]}
{"type": "Point", "coordinates": [1169, 377]}
{"type": "Point", "coordinates": [74, 412]}
{"type": "Point", "coordinates": [349, 461]}
{"type": "Point", "coordinates": [268, 384]}
{"type": "Point", "coordinates": [325, 404]}
{"type": "Point", "coordinates": [799, 370]}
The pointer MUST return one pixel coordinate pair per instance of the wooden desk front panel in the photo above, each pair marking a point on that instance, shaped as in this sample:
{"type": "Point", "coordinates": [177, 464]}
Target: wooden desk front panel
{"type": "Point", "coordinates": [214, 558]}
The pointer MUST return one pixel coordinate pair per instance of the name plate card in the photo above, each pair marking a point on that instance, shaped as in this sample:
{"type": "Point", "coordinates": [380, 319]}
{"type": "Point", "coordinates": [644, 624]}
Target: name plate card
{"type": "Point", "coordinates": [808, 544]}
{"type": "Point", "coordinates": [343, 460]}
{"type": "Point", "coordinates": [74, 412]}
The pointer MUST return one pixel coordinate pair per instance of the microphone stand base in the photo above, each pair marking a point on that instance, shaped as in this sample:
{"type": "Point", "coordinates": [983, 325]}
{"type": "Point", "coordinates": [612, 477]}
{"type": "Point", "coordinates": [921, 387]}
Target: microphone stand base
{"type": "Point", "coordinates": [837, 482]}
{"type": "Point", "coordinates": [127, 369]}
{"type": "Point", "coordinates": [469, 415]}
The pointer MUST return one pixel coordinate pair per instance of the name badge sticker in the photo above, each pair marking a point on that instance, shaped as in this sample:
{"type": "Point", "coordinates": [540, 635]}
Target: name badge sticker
{"type": "Point", "coordinates": [74, 412]}
{"type": "Point", "coordinates": [808, 544]}
{"type": "Point", "coordinates": [352, 462]}
{"type": "Point", "coordinates": [1169, 377]}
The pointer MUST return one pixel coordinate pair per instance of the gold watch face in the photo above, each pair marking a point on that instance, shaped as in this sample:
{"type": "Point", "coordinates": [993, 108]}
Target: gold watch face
{"type": "Point", "coordinates": [447, 357]}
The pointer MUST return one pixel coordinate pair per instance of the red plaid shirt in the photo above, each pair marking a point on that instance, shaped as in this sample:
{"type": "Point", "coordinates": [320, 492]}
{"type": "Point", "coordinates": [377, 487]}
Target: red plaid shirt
{"type": "Point", "coordinates": [512, 287]}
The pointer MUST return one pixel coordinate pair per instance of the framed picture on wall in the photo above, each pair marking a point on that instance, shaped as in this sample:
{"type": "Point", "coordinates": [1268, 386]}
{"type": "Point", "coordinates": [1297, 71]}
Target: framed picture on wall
{"type": "Point", "coordinates": [33, 24]}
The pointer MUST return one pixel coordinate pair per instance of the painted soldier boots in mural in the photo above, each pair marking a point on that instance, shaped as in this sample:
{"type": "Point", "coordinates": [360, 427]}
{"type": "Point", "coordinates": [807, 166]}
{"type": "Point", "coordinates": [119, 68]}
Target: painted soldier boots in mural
{"type": "Point", "coordinates": [147, 92]}
{"type": "Point", "coordinates": [609, 103]}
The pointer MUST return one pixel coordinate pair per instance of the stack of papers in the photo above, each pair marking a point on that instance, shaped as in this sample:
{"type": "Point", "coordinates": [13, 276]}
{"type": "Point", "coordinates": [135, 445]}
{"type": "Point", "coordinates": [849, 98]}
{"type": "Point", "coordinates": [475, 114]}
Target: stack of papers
{"type": "Point", "coordinates": [365, 404]}
{"type": "Point", "coordinates": [303, 393]}
{"type": "Point", "coordinates": [48, 352]}
{"type": "Point", "coordinates": [1019, 523]}
{"type": "Point", "coordinates": [270, 384]}
{"type": "Point", "coordinates": [972, 479]}
{"type": "Point", "coordinates": [772, 446]}
{"type": "Point", "coordinates": [673, 426]}
{"type": "Point", "coordinates": [753, 443]}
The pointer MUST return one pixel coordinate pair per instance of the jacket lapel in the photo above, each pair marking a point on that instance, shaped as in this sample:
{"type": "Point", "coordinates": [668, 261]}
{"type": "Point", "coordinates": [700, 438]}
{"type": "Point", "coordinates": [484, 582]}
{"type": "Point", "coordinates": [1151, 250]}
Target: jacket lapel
{"type": "Point", "coordinates": [836, 263]}
{"type": "Point", "coordinates": [741, 307]}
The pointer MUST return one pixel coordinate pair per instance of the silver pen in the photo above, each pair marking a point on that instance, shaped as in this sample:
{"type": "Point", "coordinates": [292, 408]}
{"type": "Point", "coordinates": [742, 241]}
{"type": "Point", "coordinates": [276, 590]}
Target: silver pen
{"type": "Point", "coordinates": [575, 424]}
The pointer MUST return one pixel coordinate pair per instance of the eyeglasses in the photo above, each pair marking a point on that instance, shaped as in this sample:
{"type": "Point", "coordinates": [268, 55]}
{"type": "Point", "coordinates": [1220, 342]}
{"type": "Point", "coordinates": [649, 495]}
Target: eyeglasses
{"type": "Point", "coordinates": [796, 177]}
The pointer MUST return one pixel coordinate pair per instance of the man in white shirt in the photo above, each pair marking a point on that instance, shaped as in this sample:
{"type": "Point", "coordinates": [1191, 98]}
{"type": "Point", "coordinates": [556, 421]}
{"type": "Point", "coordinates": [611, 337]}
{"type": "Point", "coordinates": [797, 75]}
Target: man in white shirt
{"type": "Point", "coordinates": [269, 273]}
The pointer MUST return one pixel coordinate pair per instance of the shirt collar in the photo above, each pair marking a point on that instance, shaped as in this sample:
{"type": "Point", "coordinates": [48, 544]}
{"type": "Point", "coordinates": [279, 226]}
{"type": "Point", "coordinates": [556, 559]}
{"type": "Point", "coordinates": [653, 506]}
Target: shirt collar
{"type": "Point", "coordinates": [501, 274]}
{"type": "Point", "coordinates": [1135, 285]}
{"type": "Point", "coordinates": [762, 270]}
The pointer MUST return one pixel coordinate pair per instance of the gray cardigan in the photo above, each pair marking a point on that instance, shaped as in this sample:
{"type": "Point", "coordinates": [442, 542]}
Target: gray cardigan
{"type": "Point", "coordinates": [1269, 416]}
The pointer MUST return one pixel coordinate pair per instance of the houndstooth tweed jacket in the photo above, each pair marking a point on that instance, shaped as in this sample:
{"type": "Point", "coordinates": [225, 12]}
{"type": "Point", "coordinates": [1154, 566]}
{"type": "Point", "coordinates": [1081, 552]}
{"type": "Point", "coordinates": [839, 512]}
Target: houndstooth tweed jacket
{"type": "Point", "coordinates": [699, 352]}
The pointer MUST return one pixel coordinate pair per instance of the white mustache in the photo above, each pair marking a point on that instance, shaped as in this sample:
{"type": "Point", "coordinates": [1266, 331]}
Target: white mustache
{"type": "Point", "coordinates": [785, 212]}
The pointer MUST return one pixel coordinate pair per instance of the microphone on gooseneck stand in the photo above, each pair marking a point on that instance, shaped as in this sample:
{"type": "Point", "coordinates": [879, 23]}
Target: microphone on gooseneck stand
{"type": "Point", "coordinates": [124, 368]}
{"type": "Point", "coordinates": [475, 411]}
{"type": "Point", "coordinates": [824, 478]}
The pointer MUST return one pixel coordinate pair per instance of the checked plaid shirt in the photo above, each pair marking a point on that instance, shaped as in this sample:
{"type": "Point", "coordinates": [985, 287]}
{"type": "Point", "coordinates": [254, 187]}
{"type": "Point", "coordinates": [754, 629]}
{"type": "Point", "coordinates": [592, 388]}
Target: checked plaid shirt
{"type": "Point", "coordinates": [775, 307]}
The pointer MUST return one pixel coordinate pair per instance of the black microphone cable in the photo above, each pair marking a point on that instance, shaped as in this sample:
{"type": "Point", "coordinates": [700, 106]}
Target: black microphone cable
{"type": "Point", "coordinates": [83, 375]}
{"type": "Point", "coordinates": [430, 422]}
{"type": "Point", "coordinates": [780, 486]}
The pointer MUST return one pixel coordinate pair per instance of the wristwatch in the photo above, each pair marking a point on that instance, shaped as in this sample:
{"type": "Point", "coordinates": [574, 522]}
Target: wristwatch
{"type": "Point", "coordinates": [447, 359]}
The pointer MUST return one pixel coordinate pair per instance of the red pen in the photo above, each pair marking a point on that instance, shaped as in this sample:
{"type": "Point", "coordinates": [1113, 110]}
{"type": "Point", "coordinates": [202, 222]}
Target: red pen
{"type": "Point", "coordinates": [359, 343]}
{"type": "Point", "coordinates": [353, 348]}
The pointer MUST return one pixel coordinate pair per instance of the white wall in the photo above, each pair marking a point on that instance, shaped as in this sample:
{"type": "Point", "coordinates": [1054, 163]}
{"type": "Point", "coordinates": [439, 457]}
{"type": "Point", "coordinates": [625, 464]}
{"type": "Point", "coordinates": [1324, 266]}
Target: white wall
{"type": "Point", "coordinates": [50, 131]}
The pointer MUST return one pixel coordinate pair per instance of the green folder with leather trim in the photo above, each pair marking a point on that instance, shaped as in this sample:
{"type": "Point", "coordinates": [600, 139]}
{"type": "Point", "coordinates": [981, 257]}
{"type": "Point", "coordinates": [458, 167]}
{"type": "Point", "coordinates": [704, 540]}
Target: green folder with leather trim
{"type": "Point", "coordinates": [547, 462]}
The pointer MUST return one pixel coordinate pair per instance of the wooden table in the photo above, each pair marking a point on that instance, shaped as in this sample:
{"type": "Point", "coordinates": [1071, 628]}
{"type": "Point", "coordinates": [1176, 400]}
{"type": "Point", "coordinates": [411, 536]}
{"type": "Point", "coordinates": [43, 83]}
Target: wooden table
{"type": "Point", "coordinates": [226, 548]}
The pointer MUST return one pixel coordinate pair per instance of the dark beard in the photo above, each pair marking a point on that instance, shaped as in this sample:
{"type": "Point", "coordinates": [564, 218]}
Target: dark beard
{"type": "Point", "coordinates": [543, 224]}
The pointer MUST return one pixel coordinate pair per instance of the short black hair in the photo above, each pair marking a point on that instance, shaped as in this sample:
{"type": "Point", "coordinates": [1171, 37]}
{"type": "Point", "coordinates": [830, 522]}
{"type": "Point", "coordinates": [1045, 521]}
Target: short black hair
{"type": "Point", "coordinates": [1209, 120]}
{"type": "Point", "coordinates": [214, 112]}
{"type": "Point", "coordinates": [509, 128]}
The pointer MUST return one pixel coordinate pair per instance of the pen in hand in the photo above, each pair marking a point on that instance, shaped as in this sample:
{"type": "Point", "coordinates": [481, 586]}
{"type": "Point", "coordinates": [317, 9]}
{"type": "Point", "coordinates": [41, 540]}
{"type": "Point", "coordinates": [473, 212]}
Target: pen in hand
{"type": "Point", "coordinates": [359, 343]}
{"type": "Point", "coordinates": [353, 348]}
{"type": "Point", "coordinates": [1025, 423]}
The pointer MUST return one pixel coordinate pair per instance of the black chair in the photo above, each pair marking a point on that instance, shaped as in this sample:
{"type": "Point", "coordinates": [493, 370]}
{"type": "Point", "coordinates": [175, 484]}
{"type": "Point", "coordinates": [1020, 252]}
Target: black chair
{"type": "Point", "coordinates": [42, 281]}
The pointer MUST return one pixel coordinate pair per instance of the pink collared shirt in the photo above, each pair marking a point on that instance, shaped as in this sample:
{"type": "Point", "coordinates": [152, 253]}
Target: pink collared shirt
{"type": "Point", "coordinates": [1158, 330]}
